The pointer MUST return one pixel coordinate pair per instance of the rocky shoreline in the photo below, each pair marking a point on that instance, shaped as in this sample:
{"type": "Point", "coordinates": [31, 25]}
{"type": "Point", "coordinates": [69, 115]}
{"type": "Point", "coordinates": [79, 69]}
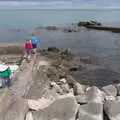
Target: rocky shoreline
{"type": "Point", "coordinates": [46, 89]}
{"type": "Point", "coordinates": [11, 53]}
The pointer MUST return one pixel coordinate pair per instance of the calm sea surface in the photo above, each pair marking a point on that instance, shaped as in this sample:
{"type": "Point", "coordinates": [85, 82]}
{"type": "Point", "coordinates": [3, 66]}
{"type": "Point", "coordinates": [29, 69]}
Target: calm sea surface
{"type": "Point", "coordinates": [34, 18]}
{"type": "Point", "coordinates": [16, 25]}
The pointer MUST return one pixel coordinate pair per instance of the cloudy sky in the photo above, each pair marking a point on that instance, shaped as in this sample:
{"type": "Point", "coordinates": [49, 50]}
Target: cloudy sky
{"type": "Point", "coordinates": [60, 4]}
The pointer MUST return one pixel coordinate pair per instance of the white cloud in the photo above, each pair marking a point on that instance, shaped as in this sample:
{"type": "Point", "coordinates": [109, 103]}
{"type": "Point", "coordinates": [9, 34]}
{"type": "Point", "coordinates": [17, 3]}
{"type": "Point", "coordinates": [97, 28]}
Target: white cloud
{"type": "Point", "coordinates": [76, 4]}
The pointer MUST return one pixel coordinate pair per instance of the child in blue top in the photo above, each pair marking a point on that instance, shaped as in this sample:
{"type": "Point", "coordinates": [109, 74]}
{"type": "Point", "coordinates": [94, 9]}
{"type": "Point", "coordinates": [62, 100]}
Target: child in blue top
{"type": "Point", "coordinates": [34, 42]}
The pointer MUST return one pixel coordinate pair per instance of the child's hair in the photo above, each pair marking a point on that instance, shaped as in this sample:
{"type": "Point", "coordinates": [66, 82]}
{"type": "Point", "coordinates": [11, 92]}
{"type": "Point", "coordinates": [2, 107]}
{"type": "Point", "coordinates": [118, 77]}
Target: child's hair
{"type": "Point", "coordinates": [33, 34]}
{"type": "Point", "coordinates": [26, 39]}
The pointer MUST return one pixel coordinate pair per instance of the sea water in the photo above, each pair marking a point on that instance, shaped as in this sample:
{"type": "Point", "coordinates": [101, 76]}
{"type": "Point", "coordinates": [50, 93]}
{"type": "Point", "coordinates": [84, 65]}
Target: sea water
{"type": "Point", "coordinates": [17, 25]}
{"type": "Point", "coordinates": [16, 18]}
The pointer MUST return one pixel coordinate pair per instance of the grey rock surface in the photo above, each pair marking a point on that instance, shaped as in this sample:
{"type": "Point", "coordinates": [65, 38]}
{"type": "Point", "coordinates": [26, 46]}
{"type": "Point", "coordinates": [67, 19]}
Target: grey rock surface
{"type": "Point", "coordinates": [64, 108]}
{"type": "Point", "coordinates": [78, 89]}
{"type": "Point", "coordinates": [110, 90]}
{"type": "Point", "coordinates": [17, 111]}
{"type": "Point", "coordinates": [93, 110]}
{"type": "Point", "coordinates": [94, 94]}
{"type": "Point", "coordinates": [112, 109]}
{"type": "Point", "coordinates": [81, 99]}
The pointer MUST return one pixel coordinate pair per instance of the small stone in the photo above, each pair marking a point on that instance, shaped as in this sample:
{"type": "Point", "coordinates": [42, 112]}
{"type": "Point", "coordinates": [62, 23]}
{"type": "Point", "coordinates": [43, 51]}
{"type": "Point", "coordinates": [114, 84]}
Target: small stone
{"type": "Point", "coordinates": [56, 87]}
{"type": "Point", "coordinates": [81, 99]}
{"type": "Point", "coordinates": [63, 80]}
{"type": "Point", "coordinates": [112, 98]}
{"type": "Point", "coordinates": [65, 88]}
{"type": "Point", "coordinates": [78, 89]}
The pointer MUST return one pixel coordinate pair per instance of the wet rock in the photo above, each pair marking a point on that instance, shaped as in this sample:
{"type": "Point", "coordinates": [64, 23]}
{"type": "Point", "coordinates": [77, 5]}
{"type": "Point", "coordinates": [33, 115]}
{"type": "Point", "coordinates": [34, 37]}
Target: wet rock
{"type": "Point", "coordinates": [78, 89]}
{"type": "Point", "coordinates": [89, 23]}
{"type": "Point", "coordinates": [64, 108]}
{"type": "Point", "coordinates": [85, 60]}
{"type": "Point", "coordinates": [112, 109]}
{"type": "Point", "coordinates": [53, 49]}
{"type": "Point", "coordinates": [74, 68]}
{"type": "Point", "coordinates": [110, 90]}
{"type": "Point", "coordinates": [118, 89]}
{"type": "Point", "coordinates": [51, 28]}
{"type": "Point", "coordinates": [17, 111]}
{"type": "Point", "coordinates": [67, 30]}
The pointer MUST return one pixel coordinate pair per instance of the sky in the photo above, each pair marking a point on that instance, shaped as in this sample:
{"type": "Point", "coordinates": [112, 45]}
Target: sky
{"type": "Point", "coordinates": [60, 4]}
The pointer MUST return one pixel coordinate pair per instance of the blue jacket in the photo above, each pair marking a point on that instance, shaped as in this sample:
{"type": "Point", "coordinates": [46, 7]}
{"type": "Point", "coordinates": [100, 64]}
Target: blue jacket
{"type": "Point", "coordinates": [34, 40]}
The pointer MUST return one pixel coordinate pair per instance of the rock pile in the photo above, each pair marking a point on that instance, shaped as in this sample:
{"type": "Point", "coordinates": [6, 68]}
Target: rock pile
{"type": "Point", "coordinates": [79, 102]}
{"type": "Point", "coordinates": [56, 95]}
{"type": "Point", "coordinates": [51, 28]}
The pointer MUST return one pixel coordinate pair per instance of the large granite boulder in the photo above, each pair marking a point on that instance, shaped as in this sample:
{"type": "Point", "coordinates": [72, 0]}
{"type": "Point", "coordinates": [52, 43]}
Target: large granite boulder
{"type": "Point", "coordinates": [110, 90]}
{"type": "Point", "coordinates": [93, 110]}
{"type": "Point", "coordinates": [64, 108]}
{"type": "Point", "coordinates": [112, 109]}
{"type": "Point", "coordinates": [94, 94]}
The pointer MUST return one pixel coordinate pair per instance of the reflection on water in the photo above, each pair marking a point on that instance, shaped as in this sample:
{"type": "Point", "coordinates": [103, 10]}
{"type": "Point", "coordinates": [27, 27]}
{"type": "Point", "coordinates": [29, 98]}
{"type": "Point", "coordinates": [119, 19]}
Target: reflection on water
{"type": "Point", "coordinates": [104, 46]}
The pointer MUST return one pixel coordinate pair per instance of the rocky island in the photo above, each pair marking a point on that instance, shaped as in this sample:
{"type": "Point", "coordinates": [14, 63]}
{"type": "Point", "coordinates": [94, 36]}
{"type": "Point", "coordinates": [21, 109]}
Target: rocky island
{"type": "Point", "coordinates": [98, 26]}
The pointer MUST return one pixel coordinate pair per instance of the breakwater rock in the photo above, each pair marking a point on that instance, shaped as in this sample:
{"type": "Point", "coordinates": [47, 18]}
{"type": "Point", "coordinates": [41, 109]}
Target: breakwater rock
{"type": "Point", "coordinates": [98, 26]}
{"type": "Point", "coordinates": [89, 23]}
{"type": "Point", "coordinates": [44, 89]}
